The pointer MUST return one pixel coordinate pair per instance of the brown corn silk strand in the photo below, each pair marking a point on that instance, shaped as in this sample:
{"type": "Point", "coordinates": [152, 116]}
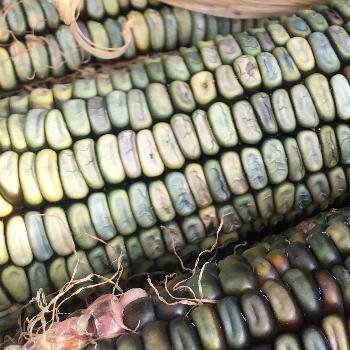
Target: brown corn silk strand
{"type": "Point", "coordinates": [69, 11]}
{"type": "Point", "coordinates": [245, 9]}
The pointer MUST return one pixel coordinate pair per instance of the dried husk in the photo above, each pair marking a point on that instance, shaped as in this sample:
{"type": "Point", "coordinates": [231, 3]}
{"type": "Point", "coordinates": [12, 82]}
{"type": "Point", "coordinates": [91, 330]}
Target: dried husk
{"type": "Point", "coordinates": [243, 8]}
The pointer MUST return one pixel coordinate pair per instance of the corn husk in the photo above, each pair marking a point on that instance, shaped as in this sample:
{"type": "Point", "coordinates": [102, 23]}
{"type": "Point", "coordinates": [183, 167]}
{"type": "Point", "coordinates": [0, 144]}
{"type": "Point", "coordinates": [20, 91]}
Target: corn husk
{"type": "Point", "coordinates": [243, 8]}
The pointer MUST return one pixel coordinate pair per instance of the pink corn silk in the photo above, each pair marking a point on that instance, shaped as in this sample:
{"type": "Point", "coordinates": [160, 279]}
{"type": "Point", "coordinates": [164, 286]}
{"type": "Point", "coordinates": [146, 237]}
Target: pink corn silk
{"type": "Point", "coordinates": [61, 336]}
{"type": "Point", "coordinates": [103, 319]}
{"type": "Point", "coordinates": [106, 312]}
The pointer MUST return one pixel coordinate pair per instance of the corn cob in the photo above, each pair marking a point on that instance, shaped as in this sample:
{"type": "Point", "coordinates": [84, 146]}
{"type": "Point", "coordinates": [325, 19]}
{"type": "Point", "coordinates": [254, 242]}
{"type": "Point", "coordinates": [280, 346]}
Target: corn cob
{"type": "Point", "coordinates": [288, 291]}
{"type": "Point", "coordinates": [46, 176]}
{"type": "Point", "coordinates": [40, 16]}
{"type": "Point", "coordinates": [155, 29]}
{"type": "Point", "coordinates": [264, 298]}
{"type": "Point", "coordinates": [210, 55]}
{"type": "Point", "coordinates": [30, 241]}
{"type": "Point", "coordinates": [190, 65]}
{"type": "Point", "coordinates": [38, 174]}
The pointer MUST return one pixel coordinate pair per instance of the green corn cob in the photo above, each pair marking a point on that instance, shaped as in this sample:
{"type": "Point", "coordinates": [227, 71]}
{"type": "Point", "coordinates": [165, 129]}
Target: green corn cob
{"type": "Point", "coordinates": [53, 50]}
{"type": "Point", "coordinates": [289, 290]}
{"type": "Point", "coordinates": [52, 54]}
